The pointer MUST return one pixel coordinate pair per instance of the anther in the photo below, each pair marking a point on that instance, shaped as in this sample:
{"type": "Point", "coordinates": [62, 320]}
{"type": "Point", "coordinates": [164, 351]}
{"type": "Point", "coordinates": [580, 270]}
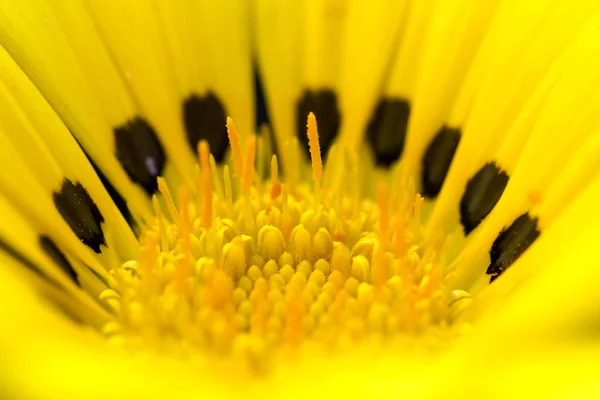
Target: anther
{"type": "Point", "coordinates": [340, 259]}
{"type": "Point", "coordinates": [301, 244]}
{"type": "Point", "coordinates": [322, 244]}
{"type": "Point", "coordinates": [271, 243]}
{"type": "Point", "coordinates": [234, 263]}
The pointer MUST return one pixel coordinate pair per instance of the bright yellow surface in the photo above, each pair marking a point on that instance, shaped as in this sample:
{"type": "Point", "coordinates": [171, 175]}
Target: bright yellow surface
{"type": "Point", "coordinates": [519, 78]}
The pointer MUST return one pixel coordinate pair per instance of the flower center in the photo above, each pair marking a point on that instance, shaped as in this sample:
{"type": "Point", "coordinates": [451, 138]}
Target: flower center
{"type": "Point", "coordinates": [282, 267]}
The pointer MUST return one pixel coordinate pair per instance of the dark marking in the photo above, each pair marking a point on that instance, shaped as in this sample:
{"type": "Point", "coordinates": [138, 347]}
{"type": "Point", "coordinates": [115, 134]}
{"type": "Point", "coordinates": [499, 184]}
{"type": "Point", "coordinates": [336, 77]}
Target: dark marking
{"type": "Point", "coordinates": [386, 131]}
{"type": "Point", "coordinates": [261, 115]}
{"type": "Point", "coordinates": [323, 103]}
{"type": "Point", "coordinates": [115, 196]}
{"type": "Point", "coordinates": [437, 160]}
{"type": "Point", "coordinates": [511, 243]}
{"type": "Point", "coordinates": [58, 257]}
{"type": "Point", "coordinates": [140, 153]}
{"type": "Point", "coordinates": [204, 118]}
{"type": "Point", "coordinates": [81, 214]}
{"type": "Point", "coordinates": [482, 193]}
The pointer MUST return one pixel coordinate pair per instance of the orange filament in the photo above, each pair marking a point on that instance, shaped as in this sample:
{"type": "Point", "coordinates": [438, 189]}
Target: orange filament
{"type": "Point", "coordinates": [236, 149]}
{"type": "Point", "coordinates": [228, 194]}
{"type": "Point", "coordinates": [315, 148]}
{"type": "Point", "coordinates": [249, 165]}
{"type": "Point", "coordinates": [204, 152]}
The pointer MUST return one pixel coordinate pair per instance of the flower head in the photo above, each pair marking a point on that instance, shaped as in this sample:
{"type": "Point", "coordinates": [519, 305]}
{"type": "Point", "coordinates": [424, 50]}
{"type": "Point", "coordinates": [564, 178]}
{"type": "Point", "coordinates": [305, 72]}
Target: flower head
{"type": "Point", "coordinates": [415, 217]}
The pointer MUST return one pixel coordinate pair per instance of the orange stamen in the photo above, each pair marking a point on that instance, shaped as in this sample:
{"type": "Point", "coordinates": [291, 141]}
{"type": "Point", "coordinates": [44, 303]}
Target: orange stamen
{"type": "Point", "coordinates": [236, 149]}
{"type": "Point", "coordinates": [275, 185]}
{"type": "Point", "coordinates": [207, 194]}
{"type": "Point", "coordinates": [315, 148]}
{"type": "Point", "coordinates": [249, 165]}
{"type": "Point", "coordinates": [228, 194]}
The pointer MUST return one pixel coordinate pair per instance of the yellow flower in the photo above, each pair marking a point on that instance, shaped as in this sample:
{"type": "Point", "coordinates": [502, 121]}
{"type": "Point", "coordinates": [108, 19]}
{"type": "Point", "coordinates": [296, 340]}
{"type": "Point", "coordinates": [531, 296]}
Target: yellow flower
{"type": "Point", "coordinates": [153, 248]}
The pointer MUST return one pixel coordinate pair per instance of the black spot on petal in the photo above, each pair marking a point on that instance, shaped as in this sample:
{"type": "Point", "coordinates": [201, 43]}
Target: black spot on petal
{"type": "Point", "coordinates": [437, 160]}
{"type": "Point", "coordinates": [140, 153]}
{"type": "Point", "coordinates": [323, 103]}
{"type": "Point", "coordinates": [204, 118]}
{"type": "Point", "coordinates": [482, 193]}
{"type": "Point", "coordinates": [58, 257]}
{"type": "Point", "coordinates": [81, 214]}
{"type": "Point", "coordinates": [261, 115]}
{"type": "Point", "coordinates": [386, 131]}
{"type": "Point", "coordinates": [511, 243]}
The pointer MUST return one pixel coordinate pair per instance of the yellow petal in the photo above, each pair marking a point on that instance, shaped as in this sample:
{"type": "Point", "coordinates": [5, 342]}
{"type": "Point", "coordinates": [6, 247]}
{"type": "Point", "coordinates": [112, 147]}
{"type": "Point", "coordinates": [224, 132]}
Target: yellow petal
{"type": "Point", "coordinates": [371, 33]}
{"type": "Point", "coordinates": [26, 254]}
{"type": "Point", "coordinates": [451, 41]}
{"type": "Point", "coordinates": [74, 72]}
{"type": "Point", "coordinates": [497, 114]}
{"type": "Point", "coordinates": [209, 50]}
{"type": "Point", "coordinates": [51, 153]}
{"type": "Point", "coordinates": [566, 122]}
{"type": "Point", "coordinates": [550, 293]}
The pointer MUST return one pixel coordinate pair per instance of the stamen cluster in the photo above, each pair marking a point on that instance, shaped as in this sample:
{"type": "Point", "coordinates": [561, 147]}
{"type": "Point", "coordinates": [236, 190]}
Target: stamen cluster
{"type": "Point", "coordinates": [279, 268]}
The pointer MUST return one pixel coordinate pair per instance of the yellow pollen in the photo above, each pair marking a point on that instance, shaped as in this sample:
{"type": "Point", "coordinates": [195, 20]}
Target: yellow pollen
{"type": "Point", "coordinates": [262, 273]}
{"type": "Point", "coordinates": [315, 148]}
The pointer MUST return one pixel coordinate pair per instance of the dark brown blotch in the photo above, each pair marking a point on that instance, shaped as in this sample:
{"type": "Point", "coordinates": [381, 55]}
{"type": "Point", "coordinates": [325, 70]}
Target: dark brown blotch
{"type": "Point", "coordinates": [323, 103]}
{"type": "Point", "coordinates": [140, 152]}
{"type": "Point", "coordinates": [481, 194]}
{"type": "Point", "coordinates": [386, 131]}
{"type": "Point", "coordinates": [204, 117]}
{"type": "Point", "coordinates": [511, 243]}
{"type": "Point", "coordinates": [80, 212]}
{"type": "Point", "coordinates": [437, 159]}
